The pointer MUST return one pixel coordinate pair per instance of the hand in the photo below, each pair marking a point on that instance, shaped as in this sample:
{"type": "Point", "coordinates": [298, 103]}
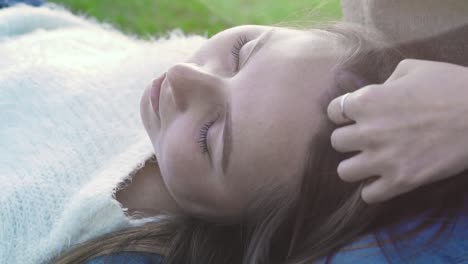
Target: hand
{"type": "Point", "coordinates": [411, 130]}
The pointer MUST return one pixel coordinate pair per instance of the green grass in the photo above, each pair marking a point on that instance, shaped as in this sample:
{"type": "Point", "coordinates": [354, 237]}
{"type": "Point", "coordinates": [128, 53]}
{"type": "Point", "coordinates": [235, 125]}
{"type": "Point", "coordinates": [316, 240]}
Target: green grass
{"type": "Point", "coordinates": [152, 17]}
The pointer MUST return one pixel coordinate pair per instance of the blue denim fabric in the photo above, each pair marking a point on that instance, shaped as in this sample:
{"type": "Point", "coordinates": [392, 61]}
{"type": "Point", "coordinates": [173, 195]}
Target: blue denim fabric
{"type": "Point", "coordinates": [7, 3]}
{"type": "Point", "coordinates": [127, 258]}
{"type": "Point", "coordinates": [450, 247]}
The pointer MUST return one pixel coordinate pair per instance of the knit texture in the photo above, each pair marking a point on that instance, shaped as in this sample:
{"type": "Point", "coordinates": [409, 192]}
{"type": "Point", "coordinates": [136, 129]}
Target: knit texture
{"type": "Point", "coordinates": [70, 128]}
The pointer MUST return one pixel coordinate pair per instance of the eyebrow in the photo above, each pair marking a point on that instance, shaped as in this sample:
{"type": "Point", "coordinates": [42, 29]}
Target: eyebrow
{"type": "Point", "coordinates": [260, 43]}
{"type": "Point", "coordinates": [227, 139]}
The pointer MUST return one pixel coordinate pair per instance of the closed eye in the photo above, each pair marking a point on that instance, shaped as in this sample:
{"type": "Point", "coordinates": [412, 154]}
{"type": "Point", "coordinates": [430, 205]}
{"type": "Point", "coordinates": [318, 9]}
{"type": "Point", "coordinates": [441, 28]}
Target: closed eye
{"type": "Point", "coordinates": [240, 42]}
{"type": "Point", "coordinates": [203, 138]}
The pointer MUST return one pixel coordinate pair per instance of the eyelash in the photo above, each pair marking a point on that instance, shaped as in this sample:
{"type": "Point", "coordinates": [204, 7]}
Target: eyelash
{"type": "Point", "coordinates": [241, 41]}
{"type": "Point", "coordinates": [204, 136]}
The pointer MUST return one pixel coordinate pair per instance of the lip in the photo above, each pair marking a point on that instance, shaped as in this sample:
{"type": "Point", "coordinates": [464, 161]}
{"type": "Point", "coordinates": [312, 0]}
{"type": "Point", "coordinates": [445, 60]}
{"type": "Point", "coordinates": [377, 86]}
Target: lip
{"type": "Point", "coordinates": [155, 92]}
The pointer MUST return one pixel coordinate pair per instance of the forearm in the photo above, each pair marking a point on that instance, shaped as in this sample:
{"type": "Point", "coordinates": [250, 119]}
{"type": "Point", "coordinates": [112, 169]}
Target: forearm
{"type": "Point", "coordinates": [406, 20]}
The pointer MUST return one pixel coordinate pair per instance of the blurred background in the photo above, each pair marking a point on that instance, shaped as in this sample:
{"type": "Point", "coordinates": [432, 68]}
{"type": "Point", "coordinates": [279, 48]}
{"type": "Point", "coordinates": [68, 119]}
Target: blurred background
{"type": "Point", "coordinates": [148, 18]}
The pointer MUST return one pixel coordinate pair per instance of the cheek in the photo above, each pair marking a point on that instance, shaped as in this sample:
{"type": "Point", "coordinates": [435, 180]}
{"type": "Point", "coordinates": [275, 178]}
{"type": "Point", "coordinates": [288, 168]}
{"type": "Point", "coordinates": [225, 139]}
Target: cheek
{"type": "Point", "coordinates": [183, 169]}
{"type": "Point", "coordinates": [146, 113]}
{"type": "Point", "coordinates": [177, 156]}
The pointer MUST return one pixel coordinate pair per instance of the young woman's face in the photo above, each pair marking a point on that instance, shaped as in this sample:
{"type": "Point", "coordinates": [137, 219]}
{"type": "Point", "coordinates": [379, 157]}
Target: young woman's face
{"type": "Point", "coordinates": [259, 105]}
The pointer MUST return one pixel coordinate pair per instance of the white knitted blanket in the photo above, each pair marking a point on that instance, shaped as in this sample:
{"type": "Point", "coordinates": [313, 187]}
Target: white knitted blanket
{"type": "Point", "coordinates": [70, 128]}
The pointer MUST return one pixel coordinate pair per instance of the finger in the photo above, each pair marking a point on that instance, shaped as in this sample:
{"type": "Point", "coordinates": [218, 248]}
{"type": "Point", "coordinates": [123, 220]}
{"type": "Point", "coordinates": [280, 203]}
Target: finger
{"type": "Point", "coordinates": [335, 113]}
{"type": "Point", "coordinates": [376, 191]}
{"type": "Point", "coordinates": [347, 139]}
{"type": "Point", "coordinates": [357, 168]}
{"type": "Point", "coordinates": [402, 69]}
{"type": "Point", "coordinates": [381, 190]}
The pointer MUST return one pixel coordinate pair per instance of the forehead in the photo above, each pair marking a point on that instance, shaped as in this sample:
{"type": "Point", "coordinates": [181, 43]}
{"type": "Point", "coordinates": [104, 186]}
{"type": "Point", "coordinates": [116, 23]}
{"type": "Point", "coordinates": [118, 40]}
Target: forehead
{"type": "Point", "coordinates": [304, 48]}
{"type": "Point", "coordinates": [276, 106]}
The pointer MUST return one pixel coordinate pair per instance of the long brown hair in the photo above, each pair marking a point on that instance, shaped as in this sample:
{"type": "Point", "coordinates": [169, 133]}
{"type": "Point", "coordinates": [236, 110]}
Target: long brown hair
{"type": "Point", "coordinates": [327, 213]}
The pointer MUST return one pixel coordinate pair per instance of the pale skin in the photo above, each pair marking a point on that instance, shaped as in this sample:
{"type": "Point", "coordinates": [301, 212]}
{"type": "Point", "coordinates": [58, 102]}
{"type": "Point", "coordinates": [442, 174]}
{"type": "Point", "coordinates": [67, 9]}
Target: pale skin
{"type": "Point", "coordinates": [410, 131]}
{"type": "Point", "coordinates": [273, 95]}
{"type": "Point", "coordinates": [147, 195]}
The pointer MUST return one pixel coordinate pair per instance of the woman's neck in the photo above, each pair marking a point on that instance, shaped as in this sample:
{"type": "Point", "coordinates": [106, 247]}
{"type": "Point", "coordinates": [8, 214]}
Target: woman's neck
{"type": "Point", "coordinates": [147, 194]}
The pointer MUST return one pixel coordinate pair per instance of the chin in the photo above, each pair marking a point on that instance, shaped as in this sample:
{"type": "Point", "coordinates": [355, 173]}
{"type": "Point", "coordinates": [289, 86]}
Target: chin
{"type": "Point", "coordinates": [145, 108]}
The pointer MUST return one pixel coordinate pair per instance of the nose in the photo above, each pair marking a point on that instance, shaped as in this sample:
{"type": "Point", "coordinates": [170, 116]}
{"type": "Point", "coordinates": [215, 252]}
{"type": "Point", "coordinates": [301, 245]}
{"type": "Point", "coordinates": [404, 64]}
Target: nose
{"type": "Point", "coordinates": [192, 85]}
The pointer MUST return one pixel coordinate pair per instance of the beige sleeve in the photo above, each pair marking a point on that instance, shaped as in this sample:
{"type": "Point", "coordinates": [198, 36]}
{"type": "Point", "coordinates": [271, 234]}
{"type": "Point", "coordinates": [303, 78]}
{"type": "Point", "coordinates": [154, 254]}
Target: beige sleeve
{"type": "Point", "coordinates": [406, 20]}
